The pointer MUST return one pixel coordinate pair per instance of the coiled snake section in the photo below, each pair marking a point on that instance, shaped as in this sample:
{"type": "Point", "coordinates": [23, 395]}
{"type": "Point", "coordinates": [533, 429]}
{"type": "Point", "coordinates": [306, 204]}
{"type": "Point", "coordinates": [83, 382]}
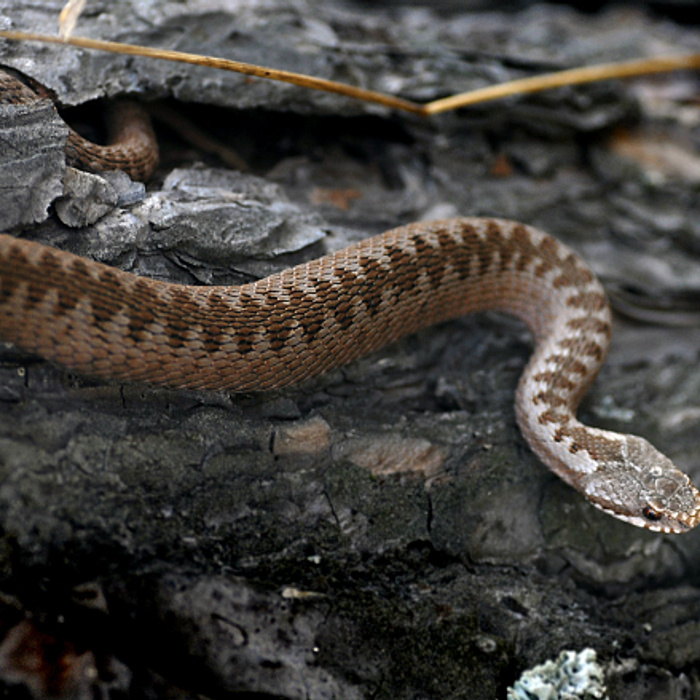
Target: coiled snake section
{"type": "Point", "coordinates": [291, 326]}
{"type": "Point", "coordinates": [132, 145]}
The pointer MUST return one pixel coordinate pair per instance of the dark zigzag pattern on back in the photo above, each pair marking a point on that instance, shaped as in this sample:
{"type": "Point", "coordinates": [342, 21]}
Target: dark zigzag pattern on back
{"type": "Point", "coordinates": [307, 320]}
{"type": "Point", "coordinates": [349, 292]}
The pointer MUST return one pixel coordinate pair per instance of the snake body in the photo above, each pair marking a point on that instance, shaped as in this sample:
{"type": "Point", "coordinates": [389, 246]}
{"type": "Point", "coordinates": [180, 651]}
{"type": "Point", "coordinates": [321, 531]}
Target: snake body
{"type": "Point", "coordinates": [297, 324]}
{"type": "Point", "coordinates": [306, 320]}
{"type": "Point", "coordinates": [132, 145]}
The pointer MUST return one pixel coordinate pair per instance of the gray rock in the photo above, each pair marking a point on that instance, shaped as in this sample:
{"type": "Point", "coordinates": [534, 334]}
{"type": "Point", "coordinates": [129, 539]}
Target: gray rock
{"type": "Point", "coordinates": [32, 162]}
{"type": "Point", "coordinates": [86, 199]}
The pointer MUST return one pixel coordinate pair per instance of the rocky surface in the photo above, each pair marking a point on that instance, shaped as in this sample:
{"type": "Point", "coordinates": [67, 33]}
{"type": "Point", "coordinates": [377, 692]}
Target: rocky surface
{"type": "Point", "coordinates": [382, 531]}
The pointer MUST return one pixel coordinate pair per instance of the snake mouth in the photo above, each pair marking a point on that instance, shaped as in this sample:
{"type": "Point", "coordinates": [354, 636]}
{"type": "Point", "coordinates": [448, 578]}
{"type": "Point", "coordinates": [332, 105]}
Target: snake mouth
{"type": "Point", "coordinates": [679, 528]}
{"type": "Point", "coordinates": [673, 522]}
{"type": "Point", "coordinates": [691, 521]}
{"type": "Point", "coordinates": [669, 523]}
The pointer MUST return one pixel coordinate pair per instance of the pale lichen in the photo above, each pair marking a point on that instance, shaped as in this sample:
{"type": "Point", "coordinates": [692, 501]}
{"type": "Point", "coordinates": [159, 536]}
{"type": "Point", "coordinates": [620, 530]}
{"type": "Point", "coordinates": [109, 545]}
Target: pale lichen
{"type": "Point", "coordinates": [573, 676]}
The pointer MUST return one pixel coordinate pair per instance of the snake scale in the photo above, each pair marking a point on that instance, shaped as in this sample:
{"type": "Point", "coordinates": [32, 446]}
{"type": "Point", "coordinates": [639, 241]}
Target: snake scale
{"type": "Point", "coordinates": [291, 326]}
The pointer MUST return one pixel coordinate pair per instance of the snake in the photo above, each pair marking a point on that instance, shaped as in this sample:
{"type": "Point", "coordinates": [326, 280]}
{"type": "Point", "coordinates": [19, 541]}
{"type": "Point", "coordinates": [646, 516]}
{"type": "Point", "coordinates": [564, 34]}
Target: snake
{"type": "Point", "coordinates": [132, 145]}
{"type": "Point", "coordinates": [300, 323]}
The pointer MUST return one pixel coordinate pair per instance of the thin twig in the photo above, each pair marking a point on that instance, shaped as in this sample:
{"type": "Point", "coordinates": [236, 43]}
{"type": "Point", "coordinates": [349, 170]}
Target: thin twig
{"type": "Point", "coordinates": [225, 64]}
{"type": "Point", "coordinates": [69, 17]}
{"type": "Point", "coordinates": [574, 76]}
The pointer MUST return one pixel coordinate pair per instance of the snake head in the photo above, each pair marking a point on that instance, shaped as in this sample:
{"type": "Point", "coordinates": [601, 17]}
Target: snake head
{"type": "Point", "coordinates": [643, 487]}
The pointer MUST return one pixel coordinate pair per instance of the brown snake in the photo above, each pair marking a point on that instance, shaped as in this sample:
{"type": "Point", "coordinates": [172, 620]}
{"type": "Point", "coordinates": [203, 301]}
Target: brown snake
{"type": "Point", "coordinates": [132, 144]}
{"type": "Point", "coordinates": [302, 322]}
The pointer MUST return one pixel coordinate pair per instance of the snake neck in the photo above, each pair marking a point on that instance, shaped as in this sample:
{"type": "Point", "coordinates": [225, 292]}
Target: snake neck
{"type": "Point", "coordinates": [561, 369]}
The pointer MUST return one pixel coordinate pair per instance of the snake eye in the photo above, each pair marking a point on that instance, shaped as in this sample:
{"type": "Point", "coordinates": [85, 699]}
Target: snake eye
{"type": "Point", "coordinates": [651, 515]}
